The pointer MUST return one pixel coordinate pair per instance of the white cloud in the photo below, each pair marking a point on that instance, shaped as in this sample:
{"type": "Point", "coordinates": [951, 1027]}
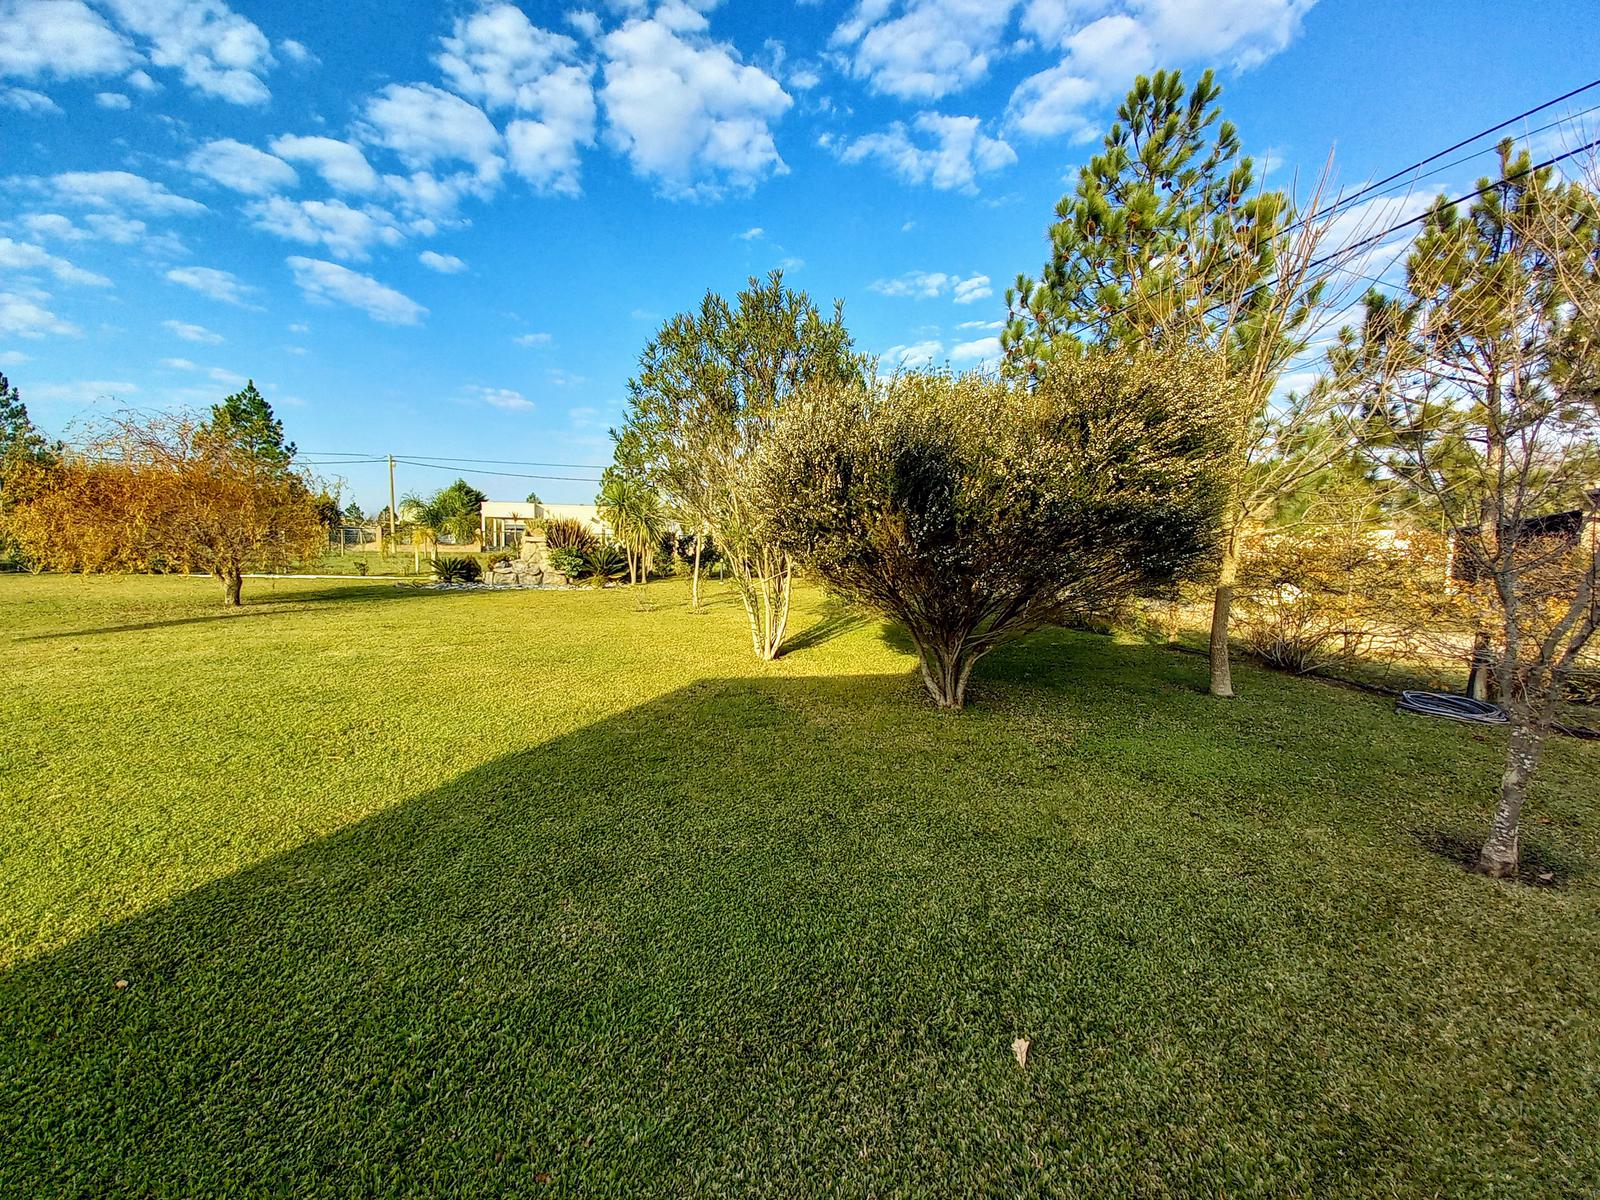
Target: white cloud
{"type": "Point", "coordinates": [974, 287]}
{"type": "Point", "coordinates": [995, 326]}
{"type": "Point", "coordinates": [918, 354]}
{"type": "Point", "coordinates": [585, 22]}
{"type": "Point", "coordinates": [108, 227]}
{"type": "Point", "coordinates": [347, 232]}
{"type": "Point", "coordinates": [926, 285]}
{"type": "Point", "coordinates": [498, 57]}
{"type": "Point", "coordinates": [25, 315]}
{"type": "Point", "coordinates": [425, 125]}
{"type": "Point", "coordinates": [923, 49]}
{"type": "Point", "coordinates": [532, 339]}
{"type": "Point", "coordinates": [208, 281]}
{"type": "Point", "coordinates": [193, 333]}
{"type": "Point", "coordinates": [120, 190]}
{"type": "Point", "coordinates": [445, 264]}
{"type": "Point", "coordinates": [751, 234]}
{"type": "Point", "coordinates": [81, 392]}
{"type": "Point", "coordinates": [979, 349]}
{"type": "Point", "coordinates": [113, 100]}
{"type": "Point", "coordinates": [213, 48]}
{"type": "Point", "coordinates": [28, 101]}
{"type": "Point", "coordinates": [61, 39]}
{"type": "Point", "coordinates": [13, 358]}
{"type": "Point", "coordinates": [505, 398]}
{"type": "Point", "coordinates": [684, 109]}
{"type": "Point", "coordinates": [296, 51]}
{"type": "Point", "coordinates": [1101, 50]}
{"type": "Point", "coordinates": [22, 257]}
{"type": "Point", "coordinates": [327, 283]}
{"type": "Point", "coordinates": [955, 151]}
{"type": "Point", "coordinates": [242, 168]}
{"type": "Point", "coordinates": [217, 374]}
{"type": "Point", "coordinates": [342, 166]}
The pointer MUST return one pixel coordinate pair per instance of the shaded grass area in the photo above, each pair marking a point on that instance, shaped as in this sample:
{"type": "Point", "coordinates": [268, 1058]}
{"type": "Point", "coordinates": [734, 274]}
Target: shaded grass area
{"type": "Point", "coordinates": [527, 893]}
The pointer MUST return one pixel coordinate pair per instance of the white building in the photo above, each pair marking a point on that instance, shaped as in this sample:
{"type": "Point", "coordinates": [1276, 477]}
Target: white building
{"type": "Point", "coordinates": [503, 522]}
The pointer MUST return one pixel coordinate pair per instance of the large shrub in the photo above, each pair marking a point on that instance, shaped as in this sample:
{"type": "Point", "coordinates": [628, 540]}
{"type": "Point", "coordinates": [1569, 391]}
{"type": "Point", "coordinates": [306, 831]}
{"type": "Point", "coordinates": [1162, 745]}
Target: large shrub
{"type": "Point", "coordinates": [564, 533]}
{"type": "Point", "coordinates": [972, 510]}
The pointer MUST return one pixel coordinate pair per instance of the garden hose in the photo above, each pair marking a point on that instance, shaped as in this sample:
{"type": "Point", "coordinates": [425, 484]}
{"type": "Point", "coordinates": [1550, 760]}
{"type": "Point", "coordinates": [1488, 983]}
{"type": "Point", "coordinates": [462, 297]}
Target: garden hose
{"type": "Point", "coordinates": [1452, 708]}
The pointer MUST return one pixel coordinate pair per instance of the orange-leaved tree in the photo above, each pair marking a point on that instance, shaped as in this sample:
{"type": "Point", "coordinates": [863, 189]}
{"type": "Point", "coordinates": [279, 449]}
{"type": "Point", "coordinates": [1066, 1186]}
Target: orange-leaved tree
{"type": "Point", "coordinates": [167, 493]}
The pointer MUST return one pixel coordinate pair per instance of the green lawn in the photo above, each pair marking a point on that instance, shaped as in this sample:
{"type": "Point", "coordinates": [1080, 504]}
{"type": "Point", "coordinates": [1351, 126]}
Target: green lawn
{"type": "Point", "coordinates": [522, 893]}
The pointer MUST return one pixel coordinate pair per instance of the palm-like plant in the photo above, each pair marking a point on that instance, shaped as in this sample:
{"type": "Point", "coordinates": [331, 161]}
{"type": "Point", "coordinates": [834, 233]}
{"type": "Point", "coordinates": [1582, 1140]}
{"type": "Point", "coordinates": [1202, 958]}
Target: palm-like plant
{"type": "Point", "coordinates": [430, 518]}
{"type": "Point", "coordinates": [633, 510]}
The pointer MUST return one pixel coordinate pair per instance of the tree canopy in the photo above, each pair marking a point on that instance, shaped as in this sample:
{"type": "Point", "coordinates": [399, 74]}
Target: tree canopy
{"type": "Point", "coordinates": [972, 511]}
{"type": "Point", "coordinates": [710, 386]}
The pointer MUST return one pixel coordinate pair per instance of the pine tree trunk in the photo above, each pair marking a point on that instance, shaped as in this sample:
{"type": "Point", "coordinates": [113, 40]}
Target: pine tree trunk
{"type": "Point", "coordinates": [1501, 855]}
{"type": "Point", "coordinates": [1221, 613]}
{"type": "Point", "coordinates": [694, 584]}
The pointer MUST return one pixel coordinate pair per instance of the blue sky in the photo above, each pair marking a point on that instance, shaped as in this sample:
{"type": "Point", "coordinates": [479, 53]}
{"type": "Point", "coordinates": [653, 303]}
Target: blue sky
{"type": "Point", "coordinates": [447, 230]}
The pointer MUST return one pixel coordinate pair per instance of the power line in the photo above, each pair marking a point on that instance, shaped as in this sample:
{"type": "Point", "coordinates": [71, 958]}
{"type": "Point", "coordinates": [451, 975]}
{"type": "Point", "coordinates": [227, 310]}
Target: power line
{"type": "Point", "coordinates": [1467, 141]}
{"type": "Point", "coordinates": [434, 458]}
{"type": "Point", "coordinates": [507, 474]}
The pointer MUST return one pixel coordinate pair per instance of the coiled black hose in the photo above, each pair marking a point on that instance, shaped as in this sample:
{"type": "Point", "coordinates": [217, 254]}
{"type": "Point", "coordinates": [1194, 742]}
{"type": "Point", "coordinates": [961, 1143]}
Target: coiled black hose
{"type": "Point", "coordinates": [1452, 708]}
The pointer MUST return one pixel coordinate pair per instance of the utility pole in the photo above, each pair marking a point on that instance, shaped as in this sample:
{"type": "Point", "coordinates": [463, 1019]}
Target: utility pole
{"type": "Point", "coordinates": [391, 498]}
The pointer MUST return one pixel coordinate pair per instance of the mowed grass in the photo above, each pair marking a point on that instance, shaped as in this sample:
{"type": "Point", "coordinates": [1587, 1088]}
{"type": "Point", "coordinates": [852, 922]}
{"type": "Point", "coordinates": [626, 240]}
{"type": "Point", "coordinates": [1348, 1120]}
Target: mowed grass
{"type": "Point", "coordinates": [423, 893]}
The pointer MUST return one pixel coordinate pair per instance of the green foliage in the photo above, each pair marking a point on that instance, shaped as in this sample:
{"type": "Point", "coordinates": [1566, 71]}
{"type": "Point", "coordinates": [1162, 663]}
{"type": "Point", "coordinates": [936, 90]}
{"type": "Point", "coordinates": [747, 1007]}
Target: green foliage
{"type": "Point", "coordinates": [22, 447]}
{"type": "Point", "coordinates": [361, 566]}
{"type": "Point", "coordinates": [972, 511]}
{"type": "Point", "coordinates": [457, 568]}
{"type": "Point", "coordinates": [710, 386]}
{"type": "Point", "coordinates": [564, 533]}
{"type": "Point", "coordinates": [246, 421]}
{"type": "Point", "coordinates": [533, 498]}
{"type": "Point", "coordinates": [569, 561]}
{"type": "Point", "coordinates": [451, 512]}
{"type": "Point", "coordinates": [606, 563]}
{"type": "Point", "coordinates": [632, 509]}
{"type": "Point", "coordinates": [353, 515]}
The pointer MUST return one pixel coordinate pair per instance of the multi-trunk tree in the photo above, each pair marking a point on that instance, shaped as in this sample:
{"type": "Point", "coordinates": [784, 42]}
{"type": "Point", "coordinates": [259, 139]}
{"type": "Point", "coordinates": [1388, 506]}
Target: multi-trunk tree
{"type": "Point", "coordinates": [1477, 386]}
{"type": "Point", "coordinates": [1168, 241]}
{"type": "Point", "coordinates": [709, 390]}
{"type": "Point", "coordinates": [972, 510]}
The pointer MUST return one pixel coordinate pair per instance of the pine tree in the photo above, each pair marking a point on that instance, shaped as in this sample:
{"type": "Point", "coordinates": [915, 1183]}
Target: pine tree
{"type": "Point", "coordinates": [1168, 241]}
{"type": "Point", "coordinates": [246, 420]}
{"type": "Point", "coordinates": [1477, 388]}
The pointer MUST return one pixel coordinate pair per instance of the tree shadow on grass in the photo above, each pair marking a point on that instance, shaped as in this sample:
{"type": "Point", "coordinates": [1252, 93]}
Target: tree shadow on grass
{"type": "Point", "coordinates": [721, 943]}
{"type": "Point", "coordinates": [273, 604]}
{"type": "Point", "coordinates": [835, 618]}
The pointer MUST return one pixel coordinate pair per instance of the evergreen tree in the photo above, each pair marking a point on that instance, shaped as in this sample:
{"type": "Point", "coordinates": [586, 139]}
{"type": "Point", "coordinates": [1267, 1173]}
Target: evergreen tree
{"type": "Point", "coordinates": [1477, 388]}
{"type": "Point", "coordinates": [246, 421]}
{"type": "Point", "coordinates": [18, 434]}
{"type": "Point", "coordinates": [1168, 241]}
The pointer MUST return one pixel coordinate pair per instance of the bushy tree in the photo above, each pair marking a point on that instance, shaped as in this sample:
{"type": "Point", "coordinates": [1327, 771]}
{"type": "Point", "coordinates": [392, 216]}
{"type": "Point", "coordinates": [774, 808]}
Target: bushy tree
{"type": "Point", "coordinates": [972, 510]}
{"type": "Point", "coordinates": [166, 493]}
{"type": "Point", "coordinates": [710, 387]}
{"type": "Point", "coordinates": [1168, 240]}
{"type": "Point", "coordinates": [1477, 387]}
